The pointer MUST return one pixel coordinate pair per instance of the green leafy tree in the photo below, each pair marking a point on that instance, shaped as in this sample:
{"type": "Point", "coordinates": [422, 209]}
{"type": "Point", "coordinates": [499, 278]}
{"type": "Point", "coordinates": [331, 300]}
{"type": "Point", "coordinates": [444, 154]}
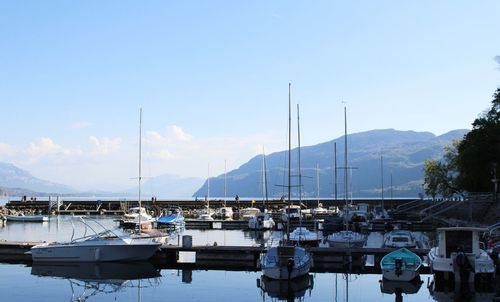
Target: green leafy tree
{"type": "Point", "coordinates": [441, 177]}
{"type": "Point", "coordinates": [479, 152]}
{"type": "Point", "coordinates": [472, 163]}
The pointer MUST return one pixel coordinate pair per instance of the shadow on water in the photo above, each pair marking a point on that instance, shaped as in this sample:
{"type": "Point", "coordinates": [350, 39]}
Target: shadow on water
{"type": "Point", "coordinates": [286, 290]}
{"type": "Point", "coordinates": [95, 279]}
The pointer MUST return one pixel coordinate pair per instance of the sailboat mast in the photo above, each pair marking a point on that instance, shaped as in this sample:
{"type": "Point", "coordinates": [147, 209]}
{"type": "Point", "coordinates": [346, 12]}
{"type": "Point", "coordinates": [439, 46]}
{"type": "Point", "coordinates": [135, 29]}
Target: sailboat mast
{"type": "Point", "coordinates": [208, 187]}
{"type": "Point", "coordinates": [289, 153]}
{"type": "Point", "coordinates": [140, 166]}
{"type": "Point", "coordinates": [335, 167]}
{"type": "Point", "coordinates": [317, 180]}
{"type": "Point", "coordinates": [225, 182]}
{"type": "Point", "coordinates": [298, 153]}
{"type": "Point", "coordinates": [346, 189]}
{"type": "Point", "coordinates": [265, 173]}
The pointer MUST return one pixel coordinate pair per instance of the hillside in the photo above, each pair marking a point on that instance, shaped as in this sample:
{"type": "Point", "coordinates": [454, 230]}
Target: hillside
{"type": "Point", "coordinates": [403, 154]}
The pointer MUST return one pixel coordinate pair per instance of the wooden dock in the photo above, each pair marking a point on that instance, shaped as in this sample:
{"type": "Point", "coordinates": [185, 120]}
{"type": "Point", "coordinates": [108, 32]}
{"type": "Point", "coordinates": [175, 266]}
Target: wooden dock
{"type": "Point", "coordinates": [234, 257]}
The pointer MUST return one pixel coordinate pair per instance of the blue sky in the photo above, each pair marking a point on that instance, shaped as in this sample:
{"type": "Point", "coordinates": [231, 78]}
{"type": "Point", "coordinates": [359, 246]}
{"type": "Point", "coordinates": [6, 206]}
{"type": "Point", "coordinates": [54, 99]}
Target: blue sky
{"type": "Point", "coordinates": [212, 79]}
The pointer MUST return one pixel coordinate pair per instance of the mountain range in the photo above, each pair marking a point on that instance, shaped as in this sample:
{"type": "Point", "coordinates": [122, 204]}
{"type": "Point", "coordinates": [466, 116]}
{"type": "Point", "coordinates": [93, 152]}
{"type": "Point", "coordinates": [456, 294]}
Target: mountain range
{"type": "Point", "coordinates": [376, 159]}
{"type": "Point", "coordinates": [401, 153]}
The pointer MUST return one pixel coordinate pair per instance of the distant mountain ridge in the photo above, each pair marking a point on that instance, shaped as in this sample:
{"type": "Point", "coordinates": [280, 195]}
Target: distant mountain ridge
{"type": "Point", "coordinates": [403, 155]}
{"type": "Point", "coordinates": [14, 179]}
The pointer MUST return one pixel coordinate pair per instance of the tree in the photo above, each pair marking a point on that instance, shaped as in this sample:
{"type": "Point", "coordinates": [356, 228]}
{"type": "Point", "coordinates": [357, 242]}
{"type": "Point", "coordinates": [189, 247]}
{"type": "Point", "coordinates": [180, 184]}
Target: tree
{"type": "Point", "coordinates": [472, 163]}
{"type": "Point", "coordinates": [441, 177]}
{"type": "Point", "coordinates": [479, 152]}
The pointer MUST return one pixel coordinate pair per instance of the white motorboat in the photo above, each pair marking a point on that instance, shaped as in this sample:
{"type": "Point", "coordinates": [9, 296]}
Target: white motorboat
{"type": "Point", "coordinates": [27, 218]}
{"type": "Point", "coordinates": [206, 214]}
{"type": "Point", "coordinates": [247, 213]}
{"type": "Point", "coordinates": [261, 221]}
{"type": "Point", "coordinates": [399, 239]}
{"type": "Point", "coordinates": [105, 246]}
{"type": "Point", "coordinates": [303, 237]}
{"type": "Point", "coordinates": [224, 213]}
{"type": "Point", "coordinates": [291, 212]}
{"type": "Point", "coordinates": [346, 239]}
{"type": "Point", "coordinates": [145, 221]}
{"type": "Point", "coordinates": [458, 251]}
{"type": "Point", "coordinates": [132, 213]}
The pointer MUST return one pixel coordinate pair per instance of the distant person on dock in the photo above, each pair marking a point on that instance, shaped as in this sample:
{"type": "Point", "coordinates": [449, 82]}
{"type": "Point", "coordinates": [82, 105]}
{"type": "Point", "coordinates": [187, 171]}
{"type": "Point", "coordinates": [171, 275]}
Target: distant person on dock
{"type": "Point", "coordinates": [237, 198]}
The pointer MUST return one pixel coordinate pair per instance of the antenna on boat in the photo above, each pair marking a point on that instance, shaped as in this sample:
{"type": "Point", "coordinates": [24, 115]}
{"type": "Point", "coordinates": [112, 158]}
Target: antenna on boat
{"type": "Point", "coordinates": [225, 182]}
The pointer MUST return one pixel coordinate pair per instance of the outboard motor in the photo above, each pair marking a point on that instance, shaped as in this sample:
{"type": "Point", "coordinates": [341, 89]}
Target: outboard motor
{"type": "Point", "coordinates": [398, 263]}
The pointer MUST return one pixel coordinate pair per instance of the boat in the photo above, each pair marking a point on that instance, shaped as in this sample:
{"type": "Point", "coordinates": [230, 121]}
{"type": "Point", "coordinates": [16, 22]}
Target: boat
{"type": "Point", "coordinates": [399, 239]}
{"type": "Point", "coordinates": [224, 213]}
{"type": "Point", "coordinates": [346, 238]}
{"type": "Point", "coordinates": [400, 265]}
{"type": "Point", "coordinates": [318, 210]}
{"type": "Point", "coordinates": [286, 262]}
{"type": "Point", "coordinates": [105, 246]}
{"type": "Point", "coordinates": [172, 217]}
{"type": "Point", "coordinates": [458, 252]}
{"type": "Point", "coordinates": [288, 290]}
{"type": "Point", "coordinates": [206, 213]}
{"type": "Point", "coordinates": [248, 213]}
{"type": "Point", "coordinates": [27, 218]}
{"type": "Point", "coordinates": [291, 212]}
{"type": "Point", "coordinates": [133, 212]}
{"type": "Point", "coordinates": [303, 237]}
{"type": "Point", "coordinates": [261, 221]}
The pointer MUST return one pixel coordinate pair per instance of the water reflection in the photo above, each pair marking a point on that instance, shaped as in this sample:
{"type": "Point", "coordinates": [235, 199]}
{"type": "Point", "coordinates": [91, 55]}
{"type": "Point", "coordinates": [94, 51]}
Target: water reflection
{"type": "Point", "coordinates": [398, 288]}
{"type": "Point", "coordinates": [260, 237]}
{"type": "Point", "coordinates": [91, 279]}
{"type": "Point", "coordinates": [286, 290]}
{"type": "Point", "coordinates": [449, 291]}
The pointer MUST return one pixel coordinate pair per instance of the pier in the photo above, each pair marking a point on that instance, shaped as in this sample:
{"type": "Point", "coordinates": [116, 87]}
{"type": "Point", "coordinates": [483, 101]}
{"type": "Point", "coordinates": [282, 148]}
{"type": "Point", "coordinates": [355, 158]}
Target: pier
{"type": "Point", "coordinates": [234, 257]}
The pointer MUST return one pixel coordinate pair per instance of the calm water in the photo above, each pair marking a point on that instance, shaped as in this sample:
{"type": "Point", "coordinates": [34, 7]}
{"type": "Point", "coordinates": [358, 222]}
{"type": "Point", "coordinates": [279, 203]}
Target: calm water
{"type": "Point", "coordinates": [144, 282]}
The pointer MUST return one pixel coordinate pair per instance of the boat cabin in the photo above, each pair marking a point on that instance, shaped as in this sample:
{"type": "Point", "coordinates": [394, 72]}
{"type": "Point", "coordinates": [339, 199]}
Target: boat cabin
{"type": "Point", "coordinates": [453, 239]}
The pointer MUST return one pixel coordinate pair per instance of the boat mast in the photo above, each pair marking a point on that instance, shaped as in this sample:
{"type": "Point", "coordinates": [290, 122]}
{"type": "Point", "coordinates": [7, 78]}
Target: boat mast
{"type": "Point", "coordinates": [317, 181]}
{"type": "Point", "coordinates": [208, 190]}
{"type": "Point", "coordinates": [299, 170]}
{"type": "Point", "coordinates": [225, 182]}
{"type": "Point", "coordinates": [289, 153]}
{"type": "Point", "coordinates": [345, 169]}
{"type": "Point", "coordinates": [140, 166]}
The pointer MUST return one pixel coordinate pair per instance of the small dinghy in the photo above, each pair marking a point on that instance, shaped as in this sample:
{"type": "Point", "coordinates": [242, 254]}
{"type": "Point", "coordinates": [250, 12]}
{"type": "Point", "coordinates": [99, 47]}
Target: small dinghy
{"type": "Point", "coordinates": [400, 265]}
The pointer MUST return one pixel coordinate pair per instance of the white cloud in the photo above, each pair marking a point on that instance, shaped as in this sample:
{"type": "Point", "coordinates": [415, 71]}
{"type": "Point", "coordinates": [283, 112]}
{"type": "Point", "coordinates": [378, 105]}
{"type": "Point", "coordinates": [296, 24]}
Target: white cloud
{"type": "Point", "coordinates": [7, 150]}
{"type": "Point", "coordinates": [180, 134]}
{"type": "Point", "coordinates": [105, 145]}
{"type": "Point", "coordinates": [162, 154]}
{"type": "Point", "coordinates": [80, 125]}
{"type": "Point", "coordinates": [45, 147]}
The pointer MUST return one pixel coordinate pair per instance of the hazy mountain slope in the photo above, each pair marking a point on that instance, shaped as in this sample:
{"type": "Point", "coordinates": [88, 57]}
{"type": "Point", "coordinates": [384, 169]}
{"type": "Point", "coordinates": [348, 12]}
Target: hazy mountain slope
{"type": "Point", "coordinates": [403, 155]}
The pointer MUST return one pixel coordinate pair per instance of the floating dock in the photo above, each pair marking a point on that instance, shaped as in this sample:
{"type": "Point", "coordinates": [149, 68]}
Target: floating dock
{"type": "Point", "coordinates": [234, 257]}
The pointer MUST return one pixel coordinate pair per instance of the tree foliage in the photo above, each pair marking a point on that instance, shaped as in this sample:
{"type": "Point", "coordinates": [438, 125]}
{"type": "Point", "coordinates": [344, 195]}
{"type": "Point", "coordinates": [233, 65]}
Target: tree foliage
{"type": "Point", "coordinates": [441, 177]}
{"type": "Point", "coordinates": [471, 164]}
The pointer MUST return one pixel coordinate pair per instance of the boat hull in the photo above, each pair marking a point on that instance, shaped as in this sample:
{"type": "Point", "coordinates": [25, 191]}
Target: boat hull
{"type": "Point", "coordinates": [28, 218]}
{"type": "Point", "coordinates": [286, 262]}
{"type": "Point", "coordinates": [93, 253]}
{"type": "Point", "coordinates": [406, 275]}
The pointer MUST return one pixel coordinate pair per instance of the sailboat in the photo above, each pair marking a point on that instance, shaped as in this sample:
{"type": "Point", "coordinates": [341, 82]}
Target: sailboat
{"type": "Point", "coordinates": [346, 238]}
{"type": "Point", "coordinates": [140, 219]}
{"type": "Point", "coordinates": [302, 236]}
{"type": "Point", "coordinates": [318, 210]}
{"type": "Point", "coordinates": [206, 213]}
{"type": "Point", "coordinates": [224, 212]}
{"type": "Point", "coordinates": [262, 220]}
{"type": "Point", "coordinates": [286, 261]}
